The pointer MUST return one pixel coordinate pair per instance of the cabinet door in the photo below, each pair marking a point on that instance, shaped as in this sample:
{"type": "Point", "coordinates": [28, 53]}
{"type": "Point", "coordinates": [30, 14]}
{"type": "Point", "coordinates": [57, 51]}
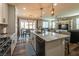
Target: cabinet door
{"type": "Point", "coordinates": [0, 12]}
{"type": "Point", "coordinates": [5, 13]}
{"type": "Point", "coordinates": [13, 43]}
{"type": "Point", "coordinates": [34, 42]}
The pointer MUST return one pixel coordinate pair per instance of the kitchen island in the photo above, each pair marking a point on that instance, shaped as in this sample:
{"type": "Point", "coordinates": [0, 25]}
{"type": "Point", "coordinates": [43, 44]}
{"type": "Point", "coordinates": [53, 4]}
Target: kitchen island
{"type": "Point", "coordinates": [48, 43]}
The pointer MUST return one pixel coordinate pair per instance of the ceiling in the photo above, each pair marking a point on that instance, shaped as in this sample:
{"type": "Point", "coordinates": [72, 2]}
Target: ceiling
{"type": "Point", "coordinates": [33, 9]}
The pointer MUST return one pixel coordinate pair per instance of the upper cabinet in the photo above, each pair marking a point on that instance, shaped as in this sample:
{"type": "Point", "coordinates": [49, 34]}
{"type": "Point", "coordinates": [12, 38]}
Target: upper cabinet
{"type": "Point", "coordinates": [0, 12]}
{"type": "Point", "coordinates": [3, 13]}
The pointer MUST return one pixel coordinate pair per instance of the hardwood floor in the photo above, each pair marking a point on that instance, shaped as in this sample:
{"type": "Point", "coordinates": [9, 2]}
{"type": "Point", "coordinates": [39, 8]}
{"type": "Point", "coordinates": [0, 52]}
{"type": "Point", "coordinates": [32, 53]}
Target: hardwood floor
{"type": "Point", "coordinates": [23, 48]}
{"type": "Point", "coordinates": [74, 50]}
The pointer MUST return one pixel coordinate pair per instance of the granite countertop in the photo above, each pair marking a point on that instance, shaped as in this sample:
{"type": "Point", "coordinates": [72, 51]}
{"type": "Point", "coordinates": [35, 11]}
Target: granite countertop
{"type": "Point", "coordinates": [50, 36]}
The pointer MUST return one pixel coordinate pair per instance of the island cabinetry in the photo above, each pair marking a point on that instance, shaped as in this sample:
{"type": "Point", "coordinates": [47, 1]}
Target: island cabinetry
{"type": "Point", "coordinates": [50, 44]}
{"type": "Point", "coordinates": [40, 46]}
{"type": "Point", "coordinates": [32, 41]}
{"type": "Point", "coordinates": [55, 48]}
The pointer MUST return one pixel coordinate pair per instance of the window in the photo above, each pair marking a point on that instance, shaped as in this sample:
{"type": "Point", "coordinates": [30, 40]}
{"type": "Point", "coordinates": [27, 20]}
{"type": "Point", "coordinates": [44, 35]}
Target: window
{"type": "Point", "coordinates": [30, 24]}
{"type": "Point", "coordinates": [27, 24]}
{"type": "Point", "coordinates": [34, 25]}
{"type": "Point", "coordinates": [72, 24]}
{"type": "Point", "coordinates": [77, 23]}
{"type": "Point", "coordinates": [53, 24]}
{"type": "Point", "coordinates": [45, 24]}
{"type": "Point", "coordinates": [22, 24]}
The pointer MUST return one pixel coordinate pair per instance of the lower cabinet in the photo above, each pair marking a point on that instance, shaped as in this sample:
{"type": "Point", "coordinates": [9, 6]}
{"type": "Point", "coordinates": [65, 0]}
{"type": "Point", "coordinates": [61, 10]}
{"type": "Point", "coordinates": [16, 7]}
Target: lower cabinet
{"type": "Point", "coordinates": [37, 44]}
{"type": "Point", "coordinates": [48, 48]}
{"type": "Point", "coordinates": [40, 46]}
{"type": "Point", "coordinates": [33, 41]}
{"type": "Point", "coordinates": [13, 43]}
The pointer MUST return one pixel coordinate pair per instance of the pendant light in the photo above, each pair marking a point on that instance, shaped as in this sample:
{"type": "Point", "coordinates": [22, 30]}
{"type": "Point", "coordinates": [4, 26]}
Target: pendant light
{"type": "Point", "coordinates": [41, 12]}
{"type": "Point", "coordinates": [52, 11]}
{"type": "Point", "coordinates": [41, 9]}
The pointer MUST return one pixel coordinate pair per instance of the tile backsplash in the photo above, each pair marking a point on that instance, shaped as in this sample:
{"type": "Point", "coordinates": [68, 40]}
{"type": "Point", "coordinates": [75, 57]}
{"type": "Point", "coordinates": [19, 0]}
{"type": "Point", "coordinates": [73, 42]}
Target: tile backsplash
{"type": "Point", "coordinates": [2, 29]}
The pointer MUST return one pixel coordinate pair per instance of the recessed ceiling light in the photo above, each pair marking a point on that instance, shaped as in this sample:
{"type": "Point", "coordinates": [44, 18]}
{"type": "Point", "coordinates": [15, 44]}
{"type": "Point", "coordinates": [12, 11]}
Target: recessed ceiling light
{"type": "Point", "coordinates": [34, 16]}
{"type": "Point", "coordinates": [43, 12]}
{"type": "Point", "coordinates": [24, 8]}
{"type": "Point", "coordinates": [24, 14]}
{"type": "Point", "coordinates": [55, 4]}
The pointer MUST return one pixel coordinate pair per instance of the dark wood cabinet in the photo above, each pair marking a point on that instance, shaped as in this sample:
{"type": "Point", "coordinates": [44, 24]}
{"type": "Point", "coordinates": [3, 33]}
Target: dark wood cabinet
{"type": "Point", "coordinates": [40, 46]}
